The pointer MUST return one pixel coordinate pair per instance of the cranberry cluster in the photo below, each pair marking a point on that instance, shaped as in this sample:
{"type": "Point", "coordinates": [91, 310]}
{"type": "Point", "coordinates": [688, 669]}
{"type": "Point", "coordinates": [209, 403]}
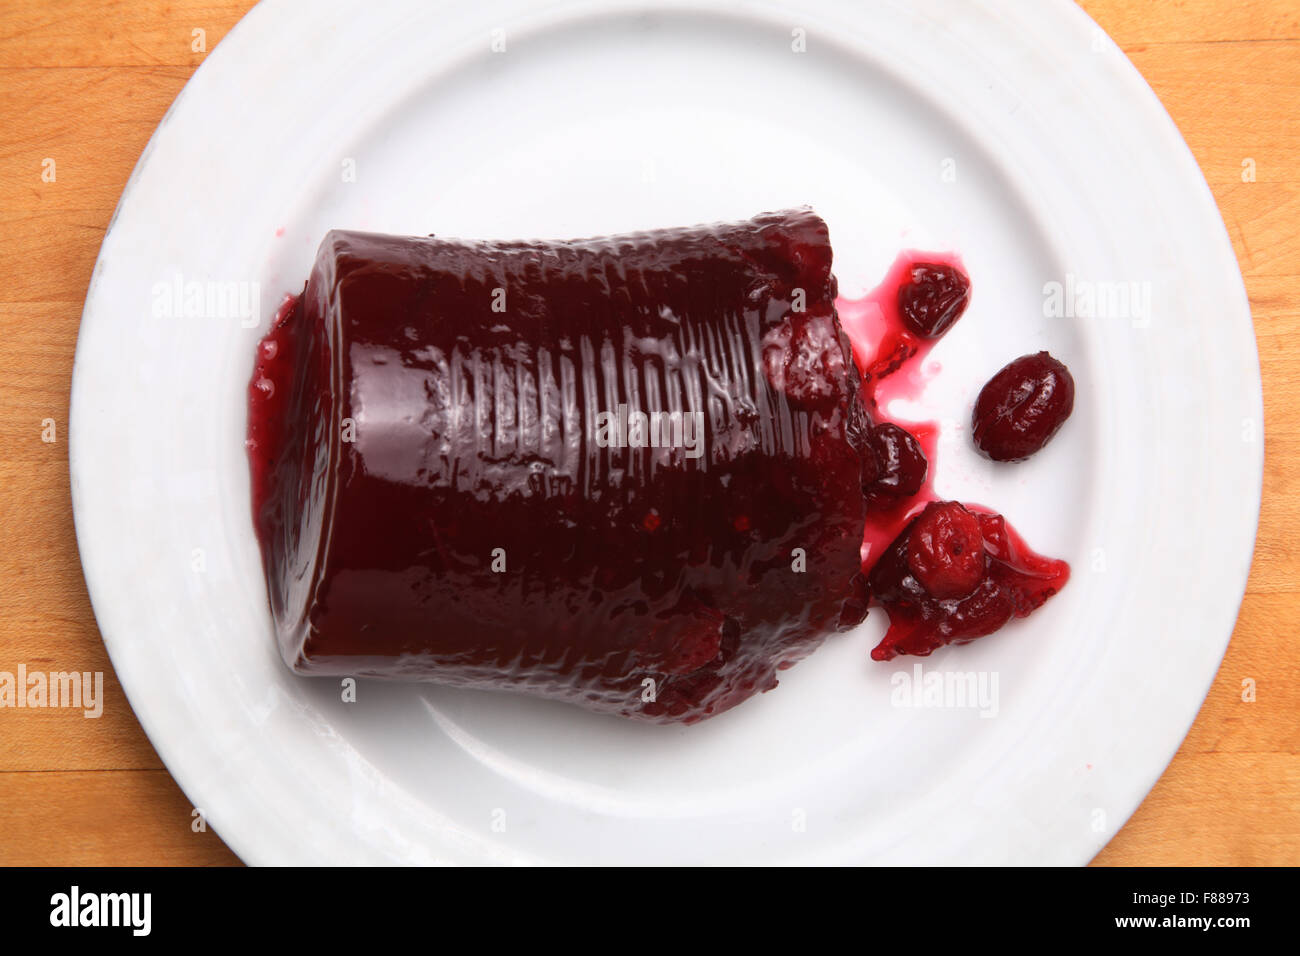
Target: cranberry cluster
{"type": "Point", "coordinates": [957, 572]}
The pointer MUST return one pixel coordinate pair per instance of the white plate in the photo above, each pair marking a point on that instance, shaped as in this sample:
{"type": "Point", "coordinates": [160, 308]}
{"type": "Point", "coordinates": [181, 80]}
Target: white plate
{"type": "Point", "coordinates": [602, 117]}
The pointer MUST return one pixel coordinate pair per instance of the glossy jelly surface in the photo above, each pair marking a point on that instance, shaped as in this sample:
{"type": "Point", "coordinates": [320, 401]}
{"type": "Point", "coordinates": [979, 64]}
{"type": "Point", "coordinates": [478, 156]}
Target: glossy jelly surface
{"type": "Point", "coordinates": [453, 482]}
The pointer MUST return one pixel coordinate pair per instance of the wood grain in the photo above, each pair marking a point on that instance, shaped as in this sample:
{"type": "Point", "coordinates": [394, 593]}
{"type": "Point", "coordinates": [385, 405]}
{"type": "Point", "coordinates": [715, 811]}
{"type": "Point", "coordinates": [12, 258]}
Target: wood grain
{"type": "Point", "coordinates": [85, 82]}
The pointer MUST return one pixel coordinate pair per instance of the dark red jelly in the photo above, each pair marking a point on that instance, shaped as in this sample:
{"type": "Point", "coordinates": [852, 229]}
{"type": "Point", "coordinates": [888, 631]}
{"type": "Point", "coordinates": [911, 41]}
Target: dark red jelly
{"type": "Point", "coordinates": [1022, 407]}
{"type": "Point", "coordinates": [1009, 580]}
{"type": "Point", "coordinates": [476, 463]}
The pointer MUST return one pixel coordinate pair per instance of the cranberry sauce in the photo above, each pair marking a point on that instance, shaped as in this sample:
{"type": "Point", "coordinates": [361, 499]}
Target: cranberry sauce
{"type": "Point", "coordinates": [891, 356]}
{"type": "Point", "coordinates": [623, 472]}
{"type": "Point", "coordinates": [944, 572]}
{"type": "Point", "coordinates": [926, 613]}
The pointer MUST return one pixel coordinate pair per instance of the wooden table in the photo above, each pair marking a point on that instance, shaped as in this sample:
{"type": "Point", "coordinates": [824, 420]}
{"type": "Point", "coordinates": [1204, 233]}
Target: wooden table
{"type": "Point", "coordinates": [84, 84]}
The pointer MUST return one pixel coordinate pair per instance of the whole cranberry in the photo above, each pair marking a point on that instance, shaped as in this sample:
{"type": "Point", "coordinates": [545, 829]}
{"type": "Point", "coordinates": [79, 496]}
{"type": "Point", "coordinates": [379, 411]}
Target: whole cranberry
{"type": "Point", "coordinates": [945, 551]}
{"type": "Point", "coordinates": [933, 298]}
{"type": "Point", "coordinates": [1022, 407]}
{"type": "Point", "coordinates": [900, 462]}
